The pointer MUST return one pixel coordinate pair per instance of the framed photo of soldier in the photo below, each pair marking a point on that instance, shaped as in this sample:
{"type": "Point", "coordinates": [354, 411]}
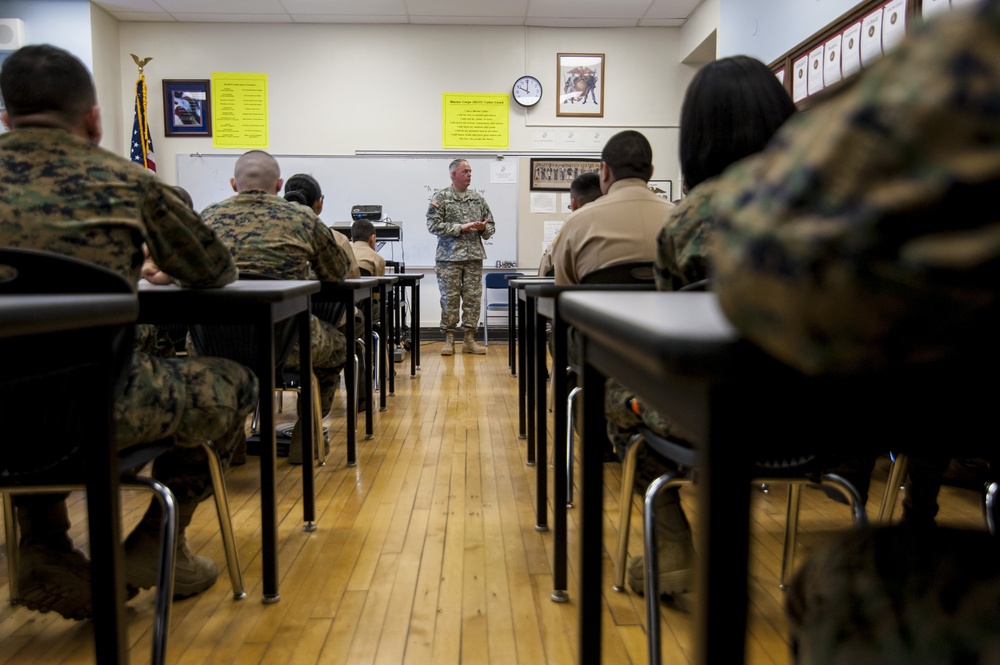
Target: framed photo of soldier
{"type": "Point", "coordinates": [187, 107]}
{"type": "Point", "coordinates": [556, 175]}
{"type": "Point", "coordinates": [580, 84]}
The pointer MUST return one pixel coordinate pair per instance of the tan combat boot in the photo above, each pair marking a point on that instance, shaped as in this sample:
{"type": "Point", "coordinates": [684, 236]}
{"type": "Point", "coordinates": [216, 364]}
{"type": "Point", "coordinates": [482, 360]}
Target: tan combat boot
{"type": "Point", "coordinates": [675, 549]}
{"type": "Point", "coordinates": [192, 574]}
{"type": "Point", "coordinates": [449, 344]}
{"type": "Point", "coordinates": [470, 345]}
{"type": "Point", "coordinates": [51, 574]}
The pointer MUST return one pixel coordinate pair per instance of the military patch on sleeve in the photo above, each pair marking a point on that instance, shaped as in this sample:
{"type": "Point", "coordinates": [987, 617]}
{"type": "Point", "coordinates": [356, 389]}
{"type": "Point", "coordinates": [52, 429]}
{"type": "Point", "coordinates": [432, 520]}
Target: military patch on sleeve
{"type": "Point", "coordinates": [435, 203]}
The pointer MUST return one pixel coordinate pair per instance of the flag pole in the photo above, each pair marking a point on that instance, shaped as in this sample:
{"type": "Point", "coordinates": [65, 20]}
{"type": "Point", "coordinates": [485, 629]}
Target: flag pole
{"type": "Point", "coordinates": [140, 112]}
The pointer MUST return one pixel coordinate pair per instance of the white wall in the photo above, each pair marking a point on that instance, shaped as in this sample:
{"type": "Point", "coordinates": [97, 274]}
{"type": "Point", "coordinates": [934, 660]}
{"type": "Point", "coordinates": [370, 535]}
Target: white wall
{"type": "Point", "coordinates": [107, 80]}
{"type": "Point", "coordinates": [62, 24]}
{"type": "Point", "coordinates": [765, 29]}
{"type": "Point", "coordinates": [338, 89]}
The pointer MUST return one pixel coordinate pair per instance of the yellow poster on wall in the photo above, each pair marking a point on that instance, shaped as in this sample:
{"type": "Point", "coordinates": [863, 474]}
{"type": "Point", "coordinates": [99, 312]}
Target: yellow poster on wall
{"type": "Point", "coordinates": [239, 110]}
{"type": "Point", "coordinates": [475, 120]}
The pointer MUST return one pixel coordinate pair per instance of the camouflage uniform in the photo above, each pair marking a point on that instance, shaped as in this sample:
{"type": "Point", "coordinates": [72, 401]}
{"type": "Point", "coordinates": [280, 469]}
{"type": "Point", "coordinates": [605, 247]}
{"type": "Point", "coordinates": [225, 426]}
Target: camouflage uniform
{"type": "Point", "coordinates": [62, 194]}
{"type": "Point", "coordinates": [460, 254]}
{"type": "Point", "coordinates": [269, 235]}
{"type": "Point", "coordinates": [865, 236]}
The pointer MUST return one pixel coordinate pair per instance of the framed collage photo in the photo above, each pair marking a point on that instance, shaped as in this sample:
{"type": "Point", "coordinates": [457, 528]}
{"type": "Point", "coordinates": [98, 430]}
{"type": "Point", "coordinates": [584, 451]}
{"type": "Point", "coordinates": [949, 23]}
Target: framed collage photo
{"type": "Point", "coordinates": [556, 175]}
{"type": "Point", "coordinates": [187, 107]}
{"type": "Point", "coordinates": [580, 82]}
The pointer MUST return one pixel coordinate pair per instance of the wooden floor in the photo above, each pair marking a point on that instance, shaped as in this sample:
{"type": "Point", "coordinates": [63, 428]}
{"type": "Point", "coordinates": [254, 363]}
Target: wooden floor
{"type": "Point", "coordinates": [425, 552]}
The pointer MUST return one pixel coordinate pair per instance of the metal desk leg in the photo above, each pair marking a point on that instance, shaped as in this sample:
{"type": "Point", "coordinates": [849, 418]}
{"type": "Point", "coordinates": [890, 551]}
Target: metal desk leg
{"type": "Point", "coordinates": [540, 417]}
{"type": "Point", "coordinates": [521, 375]}
{"type": "Point", "coordinates": [529, 380]}
{"type": "Point", "coordinates": [351, 377]}
{"type": "Point", "coordinates": [511, 332]}
{"type": "Point", "coordinates": [306, 420]}
{"type": "Point", "coordinates": [369, 357]}
{"type": "Point", "coordinates": [268, 508]}
{"type": "Point", "coordinates": [560, 478]}
{"type": "Point", "coordinates": [591, 522]}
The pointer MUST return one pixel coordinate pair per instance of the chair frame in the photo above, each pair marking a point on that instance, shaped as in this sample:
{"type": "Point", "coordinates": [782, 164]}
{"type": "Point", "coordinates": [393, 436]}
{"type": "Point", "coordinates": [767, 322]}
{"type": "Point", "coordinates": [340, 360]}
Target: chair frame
{"type": "Point", "coordinates": [487, 305]}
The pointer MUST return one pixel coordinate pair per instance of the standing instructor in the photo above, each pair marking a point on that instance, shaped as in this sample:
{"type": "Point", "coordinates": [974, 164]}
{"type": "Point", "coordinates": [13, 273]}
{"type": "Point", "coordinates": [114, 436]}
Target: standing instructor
{"type": "Point", "coordinates": [461, 220]}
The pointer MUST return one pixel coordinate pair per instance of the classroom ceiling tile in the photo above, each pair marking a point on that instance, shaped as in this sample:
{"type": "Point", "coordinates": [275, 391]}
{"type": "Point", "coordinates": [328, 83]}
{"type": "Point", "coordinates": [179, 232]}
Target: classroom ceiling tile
{"type": "Point", "coordinates": [468, 8]}
{"type": "Point", "coordinates": [671, 9]}
{"type": "Point", "coordinates": [547, 13]}
{"type": "Point", "coordinates": [346, 7]}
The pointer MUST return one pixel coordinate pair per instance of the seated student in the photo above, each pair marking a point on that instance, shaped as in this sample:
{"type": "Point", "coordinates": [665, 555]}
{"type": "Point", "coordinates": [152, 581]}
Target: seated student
{"type": "Point", "coordinates": [731, 109]}
{"type": "Point", "coordinates": [304, 189]}
{"type": "Point", "coordinates": [584, 189]}
{"type": "Point", "coordinates": [866, 238]}
{"type": "Point", "coordinates": [363, 237]}
{"type": "Point", "coordinates": [272, 236]}
{"type": "Point", "coordinates": [60, 193]}
{"type": "Point", "coordinates": [620, 226]}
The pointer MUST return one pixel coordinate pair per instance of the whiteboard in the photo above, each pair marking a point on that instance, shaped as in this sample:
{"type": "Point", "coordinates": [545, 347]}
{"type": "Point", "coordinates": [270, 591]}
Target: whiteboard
{"type": "Point", "coordinates": [401, 185]}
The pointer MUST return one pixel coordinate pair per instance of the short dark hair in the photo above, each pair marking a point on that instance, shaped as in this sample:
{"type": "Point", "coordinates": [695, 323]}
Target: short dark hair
{"type": "Point", "coordinates": [628, 155]}
{"type": "Point", "coordinates": [362, 229]}
{"type": "Point", "coordinates": [731, 110]}
{"type": "Point", "coordinates": [585, 188]}
{"type": "Point", "coordinates": [46, 79]}
{"type": "Point", "coordinates": [306, 186]}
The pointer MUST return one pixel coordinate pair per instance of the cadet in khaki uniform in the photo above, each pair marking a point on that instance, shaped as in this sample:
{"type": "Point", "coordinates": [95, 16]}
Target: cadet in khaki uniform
{"type": "Point", "coordinates": [270, 235]}
{"type": "Point", "coordinates": [621, 225]}
{"type": "Point", "coordinates": [461, 220]}
{"type": "Point", "coordinates": [363, 246]}
{"type": "Point", "coordinates": [584, 189]}
{"type": "Point", "coordinates": [59, 192]}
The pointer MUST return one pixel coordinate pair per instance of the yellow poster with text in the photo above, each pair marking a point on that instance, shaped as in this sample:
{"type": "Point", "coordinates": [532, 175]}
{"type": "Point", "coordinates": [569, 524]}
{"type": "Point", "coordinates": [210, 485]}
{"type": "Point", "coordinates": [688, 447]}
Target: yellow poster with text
{"type": "Point", "coordinates": [475, 120]}
{"type": "Point", "coordinates": [239, 110]}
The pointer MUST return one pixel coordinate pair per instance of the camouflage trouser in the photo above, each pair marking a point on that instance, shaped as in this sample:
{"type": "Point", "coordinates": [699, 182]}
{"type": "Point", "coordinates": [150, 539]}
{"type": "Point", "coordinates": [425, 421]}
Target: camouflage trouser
{"type": "Point", "coordinates": [190, 400]}
{"type": "Point", "coordinates": [328, 347]}
{"type": "Point", "coordinates": [897, 595]}
{"type": "Point", "coordinates": [622, 426]}
{"type": "Point", "coordinates": [460, 282]}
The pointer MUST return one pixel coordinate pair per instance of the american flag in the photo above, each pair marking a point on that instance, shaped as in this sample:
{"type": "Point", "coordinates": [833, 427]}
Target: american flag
{"type": "Point", "coordinates": [141, 151]}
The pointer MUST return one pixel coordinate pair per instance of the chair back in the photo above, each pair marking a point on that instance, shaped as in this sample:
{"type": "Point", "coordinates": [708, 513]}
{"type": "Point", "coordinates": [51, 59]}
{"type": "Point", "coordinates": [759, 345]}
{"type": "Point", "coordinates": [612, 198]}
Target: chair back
{"type": "Point", "coordinates": [54, 386]}
{"type": "Point", "coordinates": [627, 272]}
{"type": "Point", "coordinates": [498, 280]}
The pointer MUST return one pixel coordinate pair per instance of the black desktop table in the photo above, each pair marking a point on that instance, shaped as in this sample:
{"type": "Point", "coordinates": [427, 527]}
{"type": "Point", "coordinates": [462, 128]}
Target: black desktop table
{"type": "Point", "coordinates": [412, 281]}
{"type": "Point", "coordinates": [261, 303]}
{"type": "Point", "coordinates": [385, 304]}
{"type": "Point", "coordinates": [678, 352]}
{"type": "Point", "coordinates": [349, 292]}
{"type": "Point", "coordinates": [106, 315]}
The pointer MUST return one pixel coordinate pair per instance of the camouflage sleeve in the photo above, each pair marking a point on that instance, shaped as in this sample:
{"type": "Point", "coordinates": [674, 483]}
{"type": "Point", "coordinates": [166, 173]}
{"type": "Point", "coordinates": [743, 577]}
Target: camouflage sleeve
{"type": "Point", "coordinates": [437, 218]}
{"type": "Point", "coordinates": [865, 236]}
{"type": "Point", "coordinates": [332, 263]}
{"type": "Point", "coordinates": [491, 226]}
{"type": "Point", "coordinates": [182, 245]}
{"type": "Point", "coordinates": [682, 244]}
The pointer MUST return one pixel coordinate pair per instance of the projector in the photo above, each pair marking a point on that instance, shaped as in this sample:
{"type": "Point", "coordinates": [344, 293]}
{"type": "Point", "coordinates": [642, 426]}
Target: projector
{"type": "Point", "coordinates": [371, 213]}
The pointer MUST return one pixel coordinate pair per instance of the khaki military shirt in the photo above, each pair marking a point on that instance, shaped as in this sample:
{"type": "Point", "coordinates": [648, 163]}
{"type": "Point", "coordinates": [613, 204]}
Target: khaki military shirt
{"type": "Point", "coordinates": [447, 211]}
{"type": "Point", "coordinates": [620, 226]}
{"type": "Point", "coordinates": [270, 235]}
{"type": "Point", "coordinates": [61, 193]}
{"type": "Point", "coordinates": [867, 234]}
{"type": "Point", "coordinates": [368, 258]}
{"type": "Point", "coordinates": [345, 244]}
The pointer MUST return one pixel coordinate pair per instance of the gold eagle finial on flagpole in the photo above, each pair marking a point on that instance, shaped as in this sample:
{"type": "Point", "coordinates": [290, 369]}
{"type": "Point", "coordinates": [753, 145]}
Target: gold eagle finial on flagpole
{"type": "Point", "coordinates": [139, 63]}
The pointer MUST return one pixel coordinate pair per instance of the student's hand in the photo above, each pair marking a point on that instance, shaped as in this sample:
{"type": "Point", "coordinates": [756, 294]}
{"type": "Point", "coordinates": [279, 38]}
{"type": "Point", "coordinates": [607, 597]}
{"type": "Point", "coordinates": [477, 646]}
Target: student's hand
{"type": "Point", "coordinates": [150, 271]}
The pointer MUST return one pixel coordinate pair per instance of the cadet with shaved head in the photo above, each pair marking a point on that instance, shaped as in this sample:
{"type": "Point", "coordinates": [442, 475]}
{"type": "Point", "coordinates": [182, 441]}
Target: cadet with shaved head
{"type": "Point", "coordinates": [269, 235]}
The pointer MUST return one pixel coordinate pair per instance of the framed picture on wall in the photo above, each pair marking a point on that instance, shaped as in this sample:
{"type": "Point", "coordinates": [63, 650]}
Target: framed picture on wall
{"type": "Point", "coordinates": [580, 82]}
{"type": "Point", "coordinates": [662, 188]}
{"type": "Point", "coordinates": [556, 175]}
{"type": "Point", "coordinates": [187, 107]}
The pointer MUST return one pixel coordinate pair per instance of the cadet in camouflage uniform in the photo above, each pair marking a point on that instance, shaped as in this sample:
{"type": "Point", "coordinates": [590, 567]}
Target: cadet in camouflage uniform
{"type": "Point", "coordinates": [864, 238]}
{"type": "Point", "coordinates": [272, 236]}
{"type": "Point", "coordinates": [461, 220]}
{"type": "Point", "coordinates": [59, 192]}
{"type": "Point", "coordinates": [731, 109]}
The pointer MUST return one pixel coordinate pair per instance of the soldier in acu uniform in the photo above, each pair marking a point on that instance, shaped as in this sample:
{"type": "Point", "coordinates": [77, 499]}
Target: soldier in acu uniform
{"type": "Point", "coordinates": [59, 192]}
{"type": "Point", "coordinates": [461, 220]}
